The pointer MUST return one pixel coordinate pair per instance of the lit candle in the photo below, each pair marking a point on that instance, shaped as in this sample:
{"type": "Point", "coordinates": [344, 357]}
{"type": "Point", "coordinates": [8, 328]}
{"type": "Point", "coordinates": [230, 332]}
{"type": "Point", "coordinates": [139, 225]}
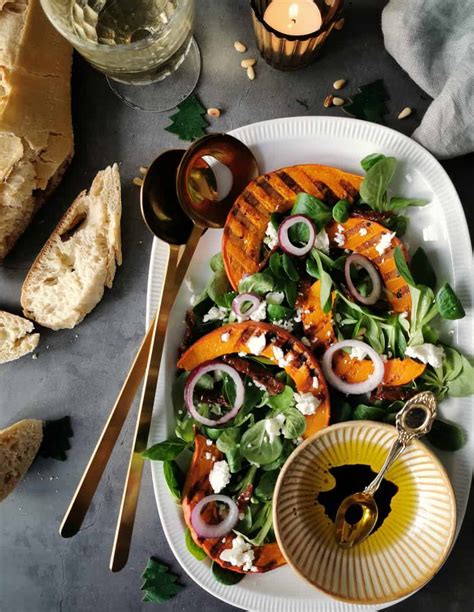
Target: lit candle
{"type": "Point", "coordinates": [293, 18]}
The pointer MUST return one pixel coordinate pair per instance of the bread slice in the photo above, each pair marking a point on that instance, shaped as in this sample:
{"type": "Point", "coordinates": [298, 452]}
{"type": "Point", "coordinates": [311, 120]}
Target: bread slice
{"type": "Point", "coordinates": [36, 140]}
{"type": "Point", "coordinates": [19, 445]}
{"type": "Point", "coordinates": [67, 279]}
{"type": "Point", "coordinates": [16, 337]}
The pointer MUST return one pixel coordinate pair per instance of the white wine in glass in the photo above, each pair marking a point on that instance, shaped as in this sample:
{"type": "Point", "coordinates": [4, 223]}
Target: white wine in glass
{"type": "Point", "coordinates": [136, 43]}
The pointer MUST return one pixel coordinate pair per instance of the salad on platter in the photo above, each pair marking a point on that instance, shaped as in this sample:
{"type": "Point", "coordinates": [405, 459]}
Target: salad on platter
{"type": "Point", "coordinates": [314, 314]}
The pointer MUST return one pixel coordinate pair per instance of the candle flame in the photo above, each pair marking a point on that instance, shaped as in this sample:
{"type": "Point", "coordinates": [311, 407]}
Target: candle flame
{"type": "Point", "coordinates": [293, 11]}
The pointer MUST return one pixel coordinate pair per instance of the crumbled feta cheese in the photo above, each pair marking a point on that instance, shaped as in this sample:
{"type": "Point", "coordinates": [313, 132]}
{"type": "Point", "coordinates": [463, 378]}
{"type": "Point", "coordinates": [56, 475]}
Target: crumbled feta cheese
{"type": "Point", "coordinates": [315, 382]}
{"type": "Point", "coordinates": [275, 297]}
{"type": "Point", "coordinates": [254, 568]}
{"type": "Point", "coordinates": [384, 243]}
{"type": "Point", "coordinates": [363, 231]}
{"type": "Point", "coordinates": [305, 341]}
{"type": "Point", "coordinates": [280, 357]}
{"type": "Point", "coordinates": [256, 344]}
{"type": "Point", "coordinates": [403, 315]}
{"type": "Point", "coordinates": [259, 385]}
{"type": "Point", "coordinates": [242, 354]}
{"type": "Point", "coordinates": [225, 337]}
{"type": "Point", "coordinates": [208, 442]}
{"type": "Point", "coordinates": [321, 241]}
{"type": "Point", "coordinates": [427, 353]}
{"type": "Point", "coordinates": [298, 441]}
{"type": "Point", "coordinates": [297, 317]}
{"type": "Point", "coordinates": [306, 403]}
{"type": "Point", "coordinates": [286, 325]}
{"type": "Point", "coordinates": [219, 476]}
{"type": "Point", "coordinates": [273, 426]}
{"type": "Point", "coordinates": [216, 313]}
{"type": "Point", "coordinates": [240, 555]}
{"type": "Point", "coordinates": [260, 313]}
{"type": "Point", "coordinates": [241, 516]}
{"type": "Point", "coordinates": [271, 236]}
{"type": "Point", "coordinates": [339, 238]}
{"type": "Point", "coordinates": [208, 456]}
{"type": "Point", "coordinates": [358, 352]}
{"type": "Point", "coordinates": [223, 540]}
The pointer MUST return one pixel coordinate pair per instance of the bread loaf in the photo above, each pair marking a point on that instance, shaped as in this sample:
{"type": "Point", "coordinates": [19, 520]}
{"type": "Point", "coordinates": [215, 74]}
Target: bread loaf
{"type": "Point", "coordinates": [68, 277]}
{"type": "Point", "coordinates": [36, 141]}
{"type": "Point", "coordinates": [19, 445]}
{"type": "Point", "coordinates": [16, 337]}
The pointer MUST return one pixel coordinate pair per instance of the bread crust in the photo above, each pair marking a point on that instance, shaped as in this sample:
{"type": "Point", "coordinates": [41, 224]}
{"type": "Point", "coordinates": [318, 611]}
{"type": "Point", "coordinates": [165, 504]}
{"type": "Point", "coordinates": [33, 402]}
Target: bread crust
{"type": "Point", "coordinates": [35, 72]}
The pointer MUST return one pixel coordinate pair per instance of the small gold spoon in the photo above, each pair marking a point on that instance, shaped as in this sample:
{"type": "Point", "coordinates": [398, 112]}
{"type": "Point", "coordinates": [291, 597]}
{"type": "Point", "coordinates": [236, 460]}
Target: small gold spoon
{"type": "Point", "coordinates": [358, 513]}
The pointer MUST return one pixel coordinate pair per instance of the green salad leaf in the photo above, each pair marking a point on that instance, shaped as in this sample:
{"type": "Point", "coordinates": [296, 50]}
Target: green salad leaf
{"type": "Point", "coordinates": [371, 160]}
{"type": "Point", "coordinates": [422, 270]}
{"type": "Point", "coordinates": [159, 584]}
{"type": "Point", "coordinates": [196, 551]}
{"type": "Point", "coordinates": [448, 303]}
{"type": "Point", "coordinates": [225, 576]}
{"type": "Point", "coordinates": [313, 208]}
{"type": "Point", "coordinates": [229, 444]}
{"type": "Point", "coordinates": [340, 211]}
{"type": "Point", "coordinates": [166, 450]}
{"type": "Point", "coordinates": [402, 203]}
{"type": "Point", "coordinates": [266, 485]}
{"type": "Point", "coordinates": [174, 478]}
{"type": "Point", "coordinates": [259, 283]}
{"type": "Point", "coordinates": [295, 423]}
{"type": "Point", "coordinates": [326, 282]}
{"type": "Point", "coordinates": [257, 447]}
{"type": "Point", "coordinates": [282, 400]}
{"type": "Point", "coordinates": [446, 436]}
{"type": "Point", "coordinates": [373, 189]}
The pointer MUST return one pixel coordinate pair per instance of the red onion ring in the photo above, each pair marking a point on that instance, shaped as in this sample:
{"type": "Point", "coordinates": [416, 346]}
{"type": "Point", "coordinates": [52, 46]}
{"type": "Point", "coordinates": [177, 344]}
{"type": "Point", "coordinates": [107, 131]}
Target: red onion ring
{"type": "Point", "coordinates": [212, 366]}
{"type": "Point", "coordinates": [284, 240]}
{"type": "Point", "coordinates": [355, 388]}
{"type": "Point", "coordinates": [205, 530]}
{"type": "Point", "coordinates": [240, 300]}
{"type": "Point", "coordinates": [369, 267]}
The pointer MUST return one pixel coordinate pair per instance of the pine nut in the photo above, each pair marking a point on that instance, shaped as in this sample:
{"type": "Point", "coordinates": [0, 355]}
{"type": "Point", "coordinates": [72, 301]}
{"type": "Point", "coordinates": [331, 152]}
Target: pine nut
{"type": "Point", "coordinates": [137, 181]}
{"type": "Point", "coordinates": [328, 101]}
{"type": "Point", "coordinates": [240, 47]}
{"type": "Point", "coordinates": [339, 24]}
{"type": "Point", "coordinates": [213, 112]}
{"type": "Point", "coordinates": [251, 73]}
{"type": "Point", "coordinates": [247, 63]}
{"type": "Point", "coordinates": [338, 101]}
{"type": "Point", "coordinates": [339, 84]}
{"type": "Point", "coordinates": [406, 112]}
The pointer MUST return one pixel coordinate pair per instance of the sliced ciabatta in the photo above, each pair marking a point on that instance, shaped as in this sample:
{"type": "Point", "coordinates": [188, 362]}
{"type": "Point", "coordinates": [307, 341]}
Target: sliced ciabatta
{"type": "Point", "coordinates": [16, 337]}
{"type": "Point", "coordinates": [19, 445]}
{"type": "Point", "coordinates": [67, 279]}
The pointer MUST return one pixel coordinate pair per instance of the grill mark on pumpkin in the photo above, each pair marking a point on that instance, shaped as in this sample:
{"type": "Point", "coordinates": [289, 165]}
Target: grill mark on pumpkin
{"type": "Point", "coordinates": [328, 194]}
{"type": "Point", "coordinates": [352, 192]}
{"type": "Point", "coordinates": [290, 182]}
{"type": "Point", "coordinates": [197, 486]}
{"type": "Point", "coordinates": [268, 188]}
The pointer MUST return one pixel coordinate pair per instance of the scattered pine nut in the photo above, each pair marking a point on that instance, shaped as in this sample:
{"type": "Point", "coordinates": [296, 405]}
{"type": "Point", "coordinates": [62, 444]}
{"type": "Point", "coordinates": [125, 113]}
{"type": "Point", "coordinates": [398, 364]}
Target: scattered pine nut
{"type": "Point", "coordinates": [240, 47]}
{"type": "Point", "coordinates": [247, 63]}
{"type": "Point", "coordinates": [338, 101]}
{"type": "Point", "coordinates": [406, 112]}
{"type": "Point", "coordinates": [328, 100]}
{"type": "Point", "coordinates": [213, 112]}
{"type": "Point", "coordinates": [137, 181]}
{"type": "Point", "coordinates": [339, 84]}
{"type": "Point", "coordinates": [143, 170]}
{"type": "Point", "coordinates": [339, 24]}
{"type": "Point", "coordinates": [251, 73]}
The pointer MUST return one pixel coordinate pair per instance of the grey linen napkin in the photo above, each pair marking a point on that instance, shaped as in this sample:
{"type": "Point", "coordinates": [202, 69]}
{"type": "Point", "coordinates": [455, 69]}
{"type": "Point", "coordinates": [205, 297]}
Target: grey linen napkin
{"type": "Point", "coordinates": [433, 40]}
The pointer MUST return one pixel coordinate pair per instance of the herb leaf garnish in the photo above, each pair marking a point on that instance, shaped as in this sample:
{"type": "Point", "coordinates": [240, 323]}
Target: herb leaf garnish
{"type": "Point", "coordinates": [159, 584]}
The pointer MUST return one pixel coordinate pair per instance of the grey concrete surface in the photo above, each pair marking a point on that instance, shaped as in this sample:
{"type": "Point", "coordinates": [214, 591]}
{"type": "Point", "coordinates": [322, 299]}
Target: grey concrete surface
{"type": "Point", "coordinates": [79, 372]}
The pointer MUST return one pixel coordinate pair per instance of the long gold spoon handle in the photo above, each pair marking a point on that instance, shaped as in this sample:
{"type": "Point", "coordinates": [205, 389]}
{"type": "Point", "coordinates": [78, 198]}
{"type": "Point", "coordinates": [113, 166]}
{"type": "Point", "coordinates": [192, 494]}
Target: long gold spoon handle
{"type": "Point", "coordinates": [87, 486]}
{"type": "Point", "coordinates": [187, 255]}
{"type": "Point", "coordinates": [123, 534]}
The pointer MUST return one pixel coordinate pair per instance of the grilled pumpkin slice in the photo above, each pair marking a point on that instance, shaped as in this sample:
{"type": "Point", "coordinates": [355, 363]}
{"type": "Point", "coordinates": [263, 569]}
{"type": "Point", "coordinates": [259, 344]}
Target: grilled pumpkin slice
{"type": "Point", "coordinates": [363, 236]}
{"type": "Point", "coordinates": [247, 221]}
{"type": "Point", "coordinates": [197, 486]}
{"type": "Point", "coordinates": [297, 360]}
{"type": "Point", "coordinates": [320, 332]}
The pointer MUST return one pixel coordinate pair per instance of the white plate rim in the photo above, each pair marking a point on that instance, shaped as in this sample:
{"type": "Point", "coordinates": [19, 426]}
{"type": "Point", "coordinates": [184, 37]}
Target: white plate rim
{"type": "Point", "coordinates": [304, 127]}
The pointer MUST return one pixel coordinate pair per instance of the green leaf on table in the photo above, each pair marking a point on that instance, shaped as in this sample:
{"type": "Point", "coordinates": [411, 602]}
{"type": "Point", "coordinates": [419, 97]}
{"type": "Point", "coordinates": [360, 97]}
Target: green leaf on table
{"type": "Point", "coordinates": [196, 551]}
{"type": "Point", "coordinates": [369, 103]}
{"type": "Point", "coordinates": [159, 584]}
{"type": "Point", "coordinates": [166, 450]}
{"type": "Point", "coordinates": [422, 270]}
{"type": "Point", "coordinates": [225, 576]}
{"type": "Point", "coordinates": [449, 305]}
{"type": "Point", "coordinates": [55, 443]}
{"type": "Point", "coordinates": [189, 123]}
{"type": "Point", "coordinates": [373, 190]}
{"type": "Point", "coordinates": [174, 478]}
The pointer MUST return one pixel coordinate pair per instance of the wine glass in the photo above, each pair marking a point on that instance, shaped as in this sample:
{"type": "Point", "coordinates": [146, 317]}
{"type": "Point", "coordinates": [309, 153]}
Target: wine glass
{"type": "Point", "coordinates": [144, 47]}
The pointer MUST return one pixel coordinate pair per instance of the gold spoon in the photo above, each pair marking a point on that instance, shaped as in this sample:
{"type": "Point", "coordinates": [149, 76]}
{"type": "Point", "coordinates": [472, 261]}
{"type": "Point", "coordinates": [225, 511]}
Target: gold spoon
{"type": "Point", "coordinates": [164, 216]}
{"type": "Point", "coordinates": [358, 513]}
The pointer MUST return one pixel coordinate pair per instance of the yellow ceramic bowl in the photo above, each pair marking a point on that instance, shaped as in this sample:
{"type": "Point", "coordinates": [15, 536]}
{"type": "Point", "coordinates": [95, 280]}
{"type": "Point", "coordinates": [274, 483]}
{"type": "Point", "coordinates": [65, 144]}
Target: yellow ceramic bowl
{"type": "Point", "coordinates": [406, 550]}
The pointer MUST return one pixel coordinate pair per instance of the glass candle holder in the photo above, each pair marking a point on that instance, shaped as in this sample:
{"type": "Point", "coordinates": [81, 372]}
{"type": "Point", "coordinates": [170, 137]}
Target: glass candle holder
{"type": "Point", "coordinates": [284, 50]}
